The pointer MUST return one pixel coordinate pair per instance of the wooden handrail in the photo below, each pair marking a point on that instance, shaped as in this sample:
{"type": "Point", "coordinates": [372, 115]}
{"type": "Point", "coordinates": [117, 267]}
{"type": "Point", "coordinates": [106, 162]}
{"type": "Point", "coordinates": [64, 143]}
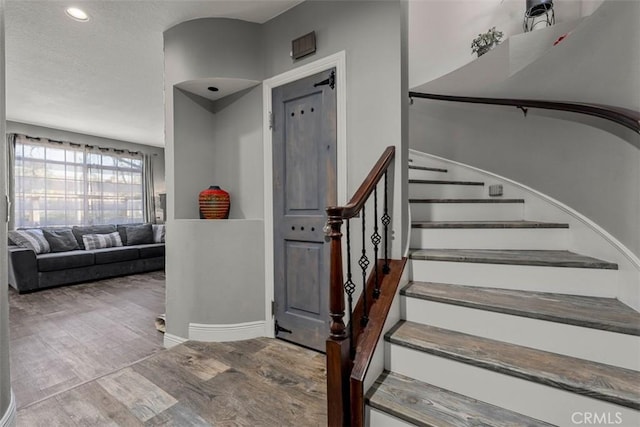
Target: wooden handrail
{"type": "Point", "coordinates": [622, 116]}
{"type": "Point", "coordinates": [356, 203]}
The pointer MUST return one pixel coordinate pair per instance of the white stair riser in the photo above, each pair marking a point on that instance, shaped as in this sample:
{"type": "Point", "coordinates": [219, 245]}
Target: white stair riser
{"type": "Point", "coordinates": [467, 211]}
{"type": "Point", "coordinates": [562, 280]}
{"type": "Point", "coordinates": [447, 191]}
{"type": "Point", "coordinates": [570, 340]}
{"type": "Point", "coordinates": [528, 398]}
{"type": "Point", "coordinates": [379, 418]}
{"type": "Point", "coordinates": [489, 238]}
{"type": "Point", "coordinates": [423, 174]}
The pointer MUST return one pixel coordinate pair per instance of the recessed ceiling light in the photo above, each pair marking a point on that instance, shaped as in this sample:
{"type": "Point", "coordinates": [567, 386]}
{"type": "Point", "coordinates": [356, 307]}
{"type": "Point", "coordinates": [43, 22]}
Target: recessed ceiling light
{"type": "Point", "coordinates": [213, 88]}
{"type": "Point", "coordinates": [77, 14]}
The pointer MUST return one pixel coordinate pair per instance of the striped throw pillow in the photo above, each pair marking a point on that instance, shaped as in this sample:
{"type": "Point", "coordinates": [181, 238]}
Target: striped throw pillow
{"type": "Point", "coordinates": [158, 233]}
{"type": "Point", "coordinates": [31, 239]}
{"type": "Point", "coordinates": [100, 241]}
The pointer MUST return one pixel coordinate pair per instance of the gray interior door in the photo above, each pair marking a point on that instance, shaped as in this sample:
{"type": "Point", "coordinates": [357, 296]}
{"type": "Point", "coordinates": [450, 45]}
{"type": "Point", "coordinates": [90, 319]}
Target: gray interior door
{"type": "Point", "coordinates": [304, 184]}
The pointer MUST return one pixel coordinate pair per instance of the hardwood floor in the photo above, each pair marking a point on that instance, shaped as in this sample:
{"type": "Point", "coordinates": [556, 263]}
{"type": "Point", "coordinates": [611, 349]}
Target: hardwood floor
{"type": "Point", "coordinates": [66, 336]}
{"type": "Point", "coordinates": [89, 355]}
{"type": "Point", "coordinates": [260, 382]}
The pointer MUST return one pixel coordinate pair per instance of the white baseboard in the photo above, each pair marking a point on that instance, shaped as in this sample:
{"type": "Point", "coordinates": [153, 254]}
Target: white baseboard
{"type": "Point", "coordinates": [9, 417]}
{"type": "Point", "coordinates": [222, 333]}
{"type": "Point", "coordinates": [172, 340]}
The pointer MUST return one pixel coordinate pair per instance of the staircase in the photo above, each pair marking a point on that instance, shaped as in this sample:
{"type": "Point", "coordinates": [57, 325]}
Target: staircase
{"type": "Point", "coordinates": [502, 326]}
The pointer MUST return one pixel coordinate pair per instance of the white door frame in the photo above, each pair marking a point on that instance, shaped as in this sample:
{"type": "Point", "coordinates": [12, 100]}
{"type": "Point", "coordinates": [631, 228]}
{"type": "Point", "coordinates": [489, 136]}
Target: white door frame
{"type": "Point", "coordinates": [337, 60]}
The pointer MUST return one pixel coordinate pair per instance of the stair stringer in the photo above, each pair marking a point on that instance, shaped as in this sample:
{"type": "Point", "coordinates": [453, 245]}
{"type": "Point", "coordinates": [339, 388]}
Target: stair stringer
{"type": "Point", "coordinates": [584, 237]}
{"type": "Point", "coordinates": [377, 365]}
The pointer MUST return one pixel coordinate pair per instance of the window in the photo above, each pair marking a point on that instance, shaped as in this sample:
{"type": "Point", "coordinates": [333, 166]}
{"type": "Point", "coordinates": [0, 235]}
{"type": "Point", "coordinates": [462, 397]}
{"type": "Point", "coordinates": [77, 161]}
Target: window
{"type": "Point", "coordinates": [60, 184]}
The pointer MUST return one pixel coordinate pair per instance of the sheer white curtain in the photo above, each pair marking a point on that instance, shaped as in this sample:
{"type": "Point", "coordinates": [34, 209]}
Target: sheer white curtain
{"type": "Point", "coordinates": [149, 191]}
{"type": "Point", "coordinates": [62, 184]}
{"type": "Point", "coordinates": [11, 158]}
{"type": "Point", "coordinates": [114, 185]}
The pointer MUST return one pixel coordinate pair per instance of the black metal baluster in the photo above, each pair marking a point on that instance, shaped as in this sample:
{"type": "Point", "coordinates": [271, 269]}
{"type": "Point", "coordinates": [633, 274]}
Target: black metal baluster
{"type": "Point", "coordinates": [386, 220]}
{"type": "Point", "coordinates": [349, 288]}
{"type": "Point", "coordinates": [364, 263]}
{"type": "Point", "coordinates": [375, 239]}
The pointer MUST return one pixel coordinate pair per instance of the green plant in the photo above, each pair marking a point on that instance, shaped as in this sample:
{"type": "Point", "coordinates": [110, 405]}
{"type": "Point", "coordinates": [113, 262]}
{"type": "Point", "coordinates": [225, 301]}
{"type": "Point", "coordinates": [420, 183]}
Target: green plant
{"type": "Point", "coordinates": [485, 41]}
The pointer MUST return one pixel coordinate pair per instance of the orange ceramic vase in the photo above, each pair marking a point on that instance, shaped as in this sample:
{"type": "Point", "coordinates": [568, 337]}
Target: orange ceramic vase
{"type": "Point", "coordinates": [214, 203]}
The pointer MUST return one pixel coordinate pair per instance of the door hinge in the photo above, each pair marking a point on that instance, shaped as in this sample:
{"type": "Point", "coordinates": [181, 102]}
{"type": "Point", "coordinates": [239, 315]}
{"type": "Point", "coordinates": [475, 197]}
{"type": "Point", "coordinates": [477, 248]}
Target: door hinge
{"type": "Point", "coordinates": [279, 328]}
{"type": "Point", "coordinates": [273, 308]}
{"type": "Point", "coordinates": [270, 120]}
{"type": "Point", "coordinates": [331, 81]}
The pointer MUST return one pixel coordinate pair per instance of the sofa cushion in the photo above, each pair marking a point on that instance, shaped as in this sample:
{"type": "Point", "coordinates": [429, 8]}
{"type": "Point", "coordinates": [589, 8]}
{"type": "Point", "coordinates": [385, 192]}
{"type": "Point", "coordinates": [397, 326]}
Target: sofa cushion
{"type": "Point", "coordinates": [115, 254]}
{"type": "Point", "coordinates": [122, 229]}
{"type": "Point", "coordinates": [100, 241]}
{"type": "Point", "coordinates": [81, 230]}
{"type": "Point", "coordinates": [63, 260]}
{"type": "Point", "coordinates": [31, 239]}
{"type": "Point", "coordinates": [152, 250]}
{"type": "Point", "coordinates": [158, 233]}
{"type": "Point", "coordinates": [139, 234]}
{"type": "Point", "coordinates": [61, 240]}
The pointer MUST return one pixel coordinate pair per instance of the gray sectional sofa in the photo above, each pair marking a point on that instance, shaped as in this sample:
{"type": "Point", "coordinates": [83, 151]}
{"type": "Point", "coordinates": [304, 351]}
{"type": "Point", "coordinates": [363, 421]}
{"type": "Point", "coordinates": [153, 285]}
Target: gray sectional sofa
{"type": "Point", "coordinates": [65, 262]}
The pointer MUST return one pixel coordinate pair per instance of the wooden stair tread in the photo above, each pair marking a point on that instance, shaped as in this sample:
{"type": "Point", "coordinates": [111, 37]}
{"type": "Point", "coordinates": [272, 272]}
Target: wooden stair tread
{"type": "Point", "coordinates": [423, 404]}
{"type": "Point", "coordinates": [606, 314]}
{"type": "Point", "coordinates": [466, 200]}
{"type": "Point", "coordinates": [426, 168]}
{"type": "Point", "coordinates": [447, 182]}
{"type": "Point", "coordinates": [604, 382]}
{"type": "Point", "coordinates": [487, 224]}
{"type": "Point", "coordinates": [542, 258]}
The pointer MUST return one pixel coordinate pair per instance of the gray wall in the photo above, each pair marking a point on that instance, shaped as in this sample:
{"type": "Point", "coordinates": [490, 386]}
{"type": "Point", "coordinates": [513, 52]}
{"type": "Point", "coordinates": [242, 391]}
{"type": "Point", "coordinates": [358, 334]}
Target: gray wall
{"type": "Point", "coordinates": [238, 165]}
{"type": "Point", "coordinates": [193, 156]}
{"type": "Point", "coordinates": [590, 170]}
{"type": "Point", "coordinates": [593, 171]}
{"type": "Point", "coordinates": [5, 380]}
{"type": "Point", "coordinates": [215, 273]}
{"type": "Point", "coordinates": [199, 49]}
{"type": "Point", "coordinates": [215, 269]}
{"type": "Point", "coordinates": [63, 135]}
{"type": "Point", "coordinates": [371, 34]}
{"type": "Point", "coordinates": [223, 146]}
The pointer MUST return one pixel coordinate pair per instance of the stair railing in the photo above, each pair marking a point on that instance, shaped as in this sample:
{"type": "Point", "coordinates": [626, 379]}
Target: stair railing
{"type": "Point", "coordinates": [342, 342]}
{"type": "Point", "coordinates": [622, 116]}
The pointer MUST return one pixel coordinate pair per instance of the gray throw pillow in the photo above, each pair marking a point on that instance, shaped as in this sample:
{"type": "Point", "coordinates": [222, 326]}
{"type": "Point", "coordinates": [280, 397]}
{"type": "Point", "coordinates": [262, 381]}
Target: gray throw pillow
{"type": "Point", "coordinates": [31, 239]}
{"type": "Point", "coordinates": [139, 234]}
{"type": "Point", "coordinates": [61, 240]}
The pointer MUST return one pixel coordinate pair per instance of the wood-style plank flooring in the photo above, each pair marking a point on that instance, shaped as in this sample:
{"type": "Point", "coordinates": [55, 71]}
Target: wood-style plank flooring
{"type": "Point", "coordinates": [260, 382]}
{"type": "Point", "coordinates": [89, 355]}
{"type": "Point", "coordinates": [65, 336]}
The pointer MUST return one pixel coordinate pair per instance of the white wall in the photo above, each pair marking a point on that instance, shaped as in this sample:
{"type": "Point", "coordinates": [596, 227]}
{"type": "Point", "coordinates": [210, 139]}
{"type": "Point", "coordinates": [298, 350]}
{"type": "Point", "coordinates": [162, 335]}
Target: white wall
{"type": "Point", "coordinates": [440, 31]}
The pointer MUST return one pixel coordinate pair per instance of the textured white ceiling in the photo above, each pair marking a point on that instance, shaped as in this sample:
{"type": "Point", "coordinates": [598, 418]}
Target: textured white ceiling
{"type": "Point", "coordinates": [103, 77]}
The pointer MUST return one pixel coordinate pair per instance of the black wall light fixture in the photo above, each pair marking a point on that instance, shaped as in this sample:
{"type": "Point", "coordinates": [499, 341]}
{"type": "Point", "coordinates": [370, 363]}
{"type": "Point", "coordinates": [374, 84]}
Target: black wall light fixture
{"type": "Point", "coordinates": [538, 12]}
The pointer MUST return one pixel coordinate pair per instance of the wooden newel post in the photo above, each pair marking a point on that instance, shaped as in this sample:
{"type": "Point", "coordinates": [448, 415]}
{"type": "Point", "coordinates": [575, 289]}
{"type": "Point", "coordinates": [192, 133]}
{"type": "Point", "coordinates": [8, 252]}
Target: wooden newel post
{"type": "Point", "coordinates": [338, 361]}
